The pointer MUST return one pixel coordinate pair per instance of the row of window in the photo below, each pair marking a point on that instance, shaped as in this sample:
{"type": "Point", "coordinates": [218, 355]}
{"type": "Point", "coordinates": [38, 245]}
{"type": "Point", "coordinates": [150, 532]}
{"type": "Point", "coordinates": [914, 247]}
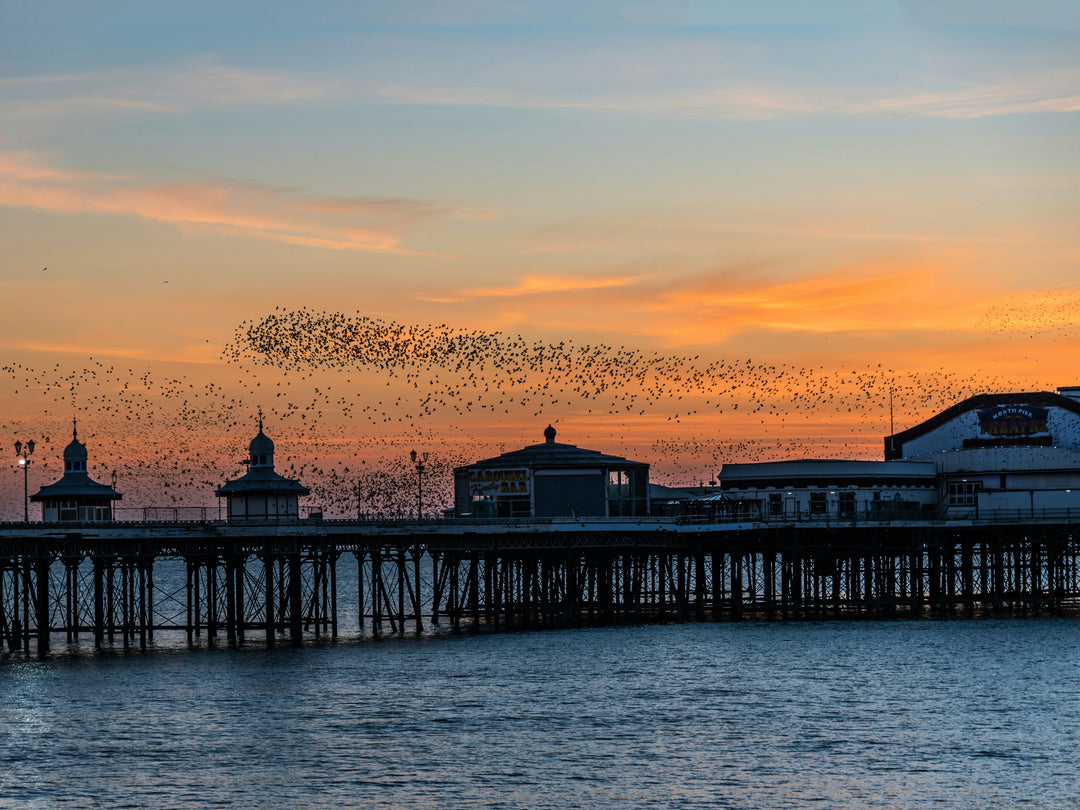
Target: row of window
{"type": "Point", "coordinates": [959, 493]}
{"type": "Point", "coordinates": [73, 511]}
{"type": "Point", "coordinates": [488, 506]}
{"type": "Point", "coordinates": [819, 505]}
{"type": "Point", "coordinates": [520, 506]}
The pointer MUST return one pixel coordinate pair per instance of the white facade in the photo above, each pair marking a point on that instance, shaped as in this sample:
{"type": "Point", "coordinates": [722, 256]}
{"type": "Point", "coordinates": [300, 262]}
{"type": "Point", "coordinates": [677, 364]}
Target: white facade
{"type": "Point", "coordinates": [1059, 428]}
{"type": "Point", "coordinates": [1001, 454]}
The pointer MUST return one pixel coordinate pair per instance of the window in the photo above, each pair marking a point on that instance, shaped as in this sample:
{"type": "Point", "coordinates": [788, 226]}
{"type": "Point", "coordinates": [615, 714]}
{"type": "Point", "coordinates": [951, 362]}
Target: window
{"type": "Point", "coordinates": [487, 506]}
{"type": "Point", "coordinates": [776, 503]}
{"type": "Point", "coordinates": [69, 510]}
{"type": "Point", "coordinates": [963, 493]}
{"type": "Point", "coordinates": [846, 504]}
{"type": "Point", "coordinates": [621, 501]}
{"type": "Point", "coordinates": [94, 512]}
{"type": "Point", "coordinates": [818, 504]}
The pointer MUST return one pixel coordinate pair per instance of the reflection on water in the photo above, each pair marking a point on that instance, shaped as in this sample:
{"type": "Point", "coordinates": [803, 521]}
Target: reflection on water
{"type": "Point", "coordinates": [870, 714]}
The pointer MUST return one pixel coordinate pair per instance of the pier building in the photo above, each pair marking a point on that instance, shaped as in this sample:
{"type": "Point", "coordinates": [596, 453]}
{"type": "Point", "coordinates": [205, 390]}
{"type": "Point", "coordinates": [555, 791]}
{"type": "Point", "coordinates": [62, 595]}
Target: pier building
{"type": "Point", "coordinates": [552, 480]}
{"type": "Point", "coordinates": [828, 488]}
{"type": "Point", "coordinates": [76, 497]}
{"type": "Point", "coordinates": [991, 454]}
{"type": "Point", "coordinates": [995, 452]}
{"type": "Point", "coordinates": [571, 542]}
{"type": "Point", "coordinates": [261, 493]}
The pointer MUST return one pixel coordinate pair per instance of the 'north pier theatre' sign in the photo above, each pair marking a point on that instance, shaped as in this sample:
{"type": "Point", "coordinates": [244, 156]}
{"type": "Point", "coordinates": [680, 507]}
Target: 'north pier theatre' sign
{"type": "Point", "coordinates": [1009, 421]}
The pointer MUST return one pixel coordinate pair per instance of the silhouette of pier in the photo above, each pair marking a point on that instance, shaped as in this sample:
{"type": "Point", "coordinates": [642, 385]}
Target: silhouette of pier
{"type": "Point", "coordinates": [278, 582]}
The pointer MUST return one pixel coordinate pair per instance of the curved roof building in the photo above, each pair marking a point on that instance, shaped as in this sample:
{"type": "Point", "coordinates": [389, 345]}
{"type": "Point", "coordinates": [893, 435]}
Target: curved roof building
{"type": "Point", "coordinates": [261, 493]}
{"type": "Point", "coordinates": [552, 479]}
{"type": "Point", "coordinates": [76, 496]}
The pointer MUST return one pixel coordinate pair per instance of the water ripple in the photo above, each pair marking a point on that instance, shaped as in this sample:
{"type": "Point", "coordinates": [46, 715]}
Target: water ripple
{"type": "Point", "coordinates": [844, 715]}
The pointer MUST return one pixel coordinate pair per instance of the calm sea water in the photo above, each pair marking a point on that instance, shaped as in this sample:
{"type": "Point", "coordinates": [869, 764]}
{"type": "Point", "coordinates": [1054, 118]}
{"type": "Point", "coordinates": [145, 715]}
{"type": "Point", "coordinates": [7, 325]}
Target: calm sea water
{"type": "Point", "coordinates": [969, 714]}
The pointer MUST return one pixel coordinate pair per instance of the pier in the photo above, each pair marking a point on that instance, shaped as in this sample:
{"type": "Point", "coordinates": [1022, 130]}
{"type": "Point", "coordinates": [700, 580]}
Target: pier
{"type": "Point", "coordinates": [282, 583]}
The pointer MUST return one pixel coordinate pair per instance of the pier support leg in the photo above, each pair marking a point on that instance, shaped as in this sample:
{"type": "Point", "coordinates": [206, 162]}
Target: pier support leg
{"type": "Point", "coordinates": [268, 569]}
{"type": "Point", "coordinates": [230, 600]}
{"type": "Point", "coordinates": [295, 601]}
{"type": "Point", "coordinates": [44, 619]}
{"type": "Point", "coordinates": [333, 594]}
{"type": "Point", "coordinates": [571, 587]}
{"type": "Point", "coordinates": [99, 603]}
{"type": "Point", "coordinates": [736, 585]}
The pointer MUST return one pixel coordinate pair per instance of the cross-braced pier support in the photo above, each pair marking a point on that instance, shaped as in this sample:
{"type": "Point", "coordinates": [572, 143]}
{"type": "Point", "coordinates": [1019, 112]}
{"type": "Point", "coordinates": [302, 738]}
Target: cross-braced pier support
{"type": "Point", "coordinates": [216, 589]}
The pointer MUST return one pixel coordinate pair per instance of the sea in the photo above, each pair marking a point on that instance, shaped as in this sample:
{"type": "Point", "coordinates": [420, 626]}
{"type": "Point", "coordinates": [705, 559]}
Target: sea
{"type": "Point", "coordinates": [964, 713]}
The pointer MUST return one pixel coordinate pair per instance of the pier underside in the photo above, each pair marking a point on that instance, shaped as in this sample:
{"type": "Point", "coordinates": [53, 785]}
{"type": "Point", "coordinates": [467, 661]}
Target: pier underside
{"type": "Point", "coordinates": [121, 592]}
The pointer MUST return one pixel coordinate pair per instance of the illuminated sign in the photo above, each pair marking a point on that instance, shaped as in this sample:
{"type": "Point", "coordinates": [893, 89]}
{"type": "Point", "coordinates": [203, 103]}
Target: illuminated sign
{"type": "Point", "coordinates": [1014, 420]}
{"type": "Point", "coordinates": [496, 483]}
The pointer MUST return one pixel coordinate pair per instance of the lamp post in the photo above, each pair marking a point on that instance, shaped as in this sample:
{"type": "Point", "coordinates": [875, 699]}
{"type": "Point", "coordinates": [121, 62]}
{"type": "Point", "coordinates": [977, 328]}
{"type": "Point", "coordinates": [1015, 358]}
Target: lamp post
{"type": "Point", "coordinates": [419, 461]}
{"type": "Point", "coordinates": [24, 452]}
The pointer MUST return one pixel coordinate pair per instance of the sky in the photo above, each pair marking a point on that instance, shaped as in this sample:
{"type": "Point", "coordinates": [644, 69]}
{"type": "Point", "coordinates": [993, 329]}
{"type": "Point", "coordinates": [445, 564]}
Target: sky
{"type": "Point", "coordinates": [751, 231]}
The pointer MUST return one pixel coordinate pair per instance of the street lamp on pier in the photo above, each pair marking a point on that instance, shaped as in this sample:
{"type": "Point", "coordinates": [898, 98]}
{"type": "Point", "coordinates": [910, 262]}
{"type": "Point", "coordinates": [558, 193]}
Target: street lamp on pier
{"type": "Point", "coordinates": [419, 460]}
{"type": "Point", "coordinates": [24, 451]}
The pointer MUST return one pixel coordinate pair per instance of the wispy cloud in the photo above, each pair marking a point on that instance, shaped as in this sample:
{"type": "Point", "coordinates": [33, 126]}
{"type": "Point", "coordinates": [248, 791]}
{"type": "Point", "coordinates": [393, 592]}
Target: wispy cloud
{"type": "Point", "coordinates": [672, 232]}
{"type": "Point", "coordinates": [697, 84]}
{"type": "Point", "coordinates": [197, 83]}
{"type": "Point", "coordinates": [247, 210]}
{"type": "Point", "coordinates": [551, 287]}
{"type": "Point", "coordinates": [909, 293]}
{"type": "Point", "coordinates": [751, 100]}
{"type": "Point", "coordinates": [902, 294]}
{"type": "Point", "coordinates": [201, 353]}
{"type": "Point", "coordinates": [541, 285]}
{"type": "Point", "coordinates": [719, 75]}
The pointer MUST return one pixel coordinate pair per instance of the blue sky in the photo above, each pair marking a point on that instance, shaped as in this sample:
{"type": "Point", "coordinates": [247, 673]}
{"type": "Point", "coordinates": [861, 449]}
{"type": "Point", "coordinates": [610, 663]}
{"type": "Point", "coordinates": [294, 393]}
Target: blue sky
{"type": "Point", "coordinates": [830, 183]}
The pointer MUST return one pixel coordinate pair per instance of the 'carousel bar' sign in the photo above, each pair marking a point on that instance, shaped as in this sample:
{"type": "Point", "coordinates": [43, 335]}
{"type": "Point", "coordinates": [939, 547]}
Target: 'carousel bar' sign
{"type": "Point", "coordinates": [490, 483]}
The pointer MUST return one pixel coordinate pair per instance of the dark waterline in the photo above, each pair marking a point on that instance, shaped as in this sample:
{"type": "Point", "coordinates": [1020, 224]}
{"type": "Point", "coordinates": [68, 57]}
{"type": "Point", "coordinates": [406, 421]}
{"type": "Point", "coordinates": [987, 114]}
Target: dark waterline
{"type": "Point", "coordinates": [833, 714]}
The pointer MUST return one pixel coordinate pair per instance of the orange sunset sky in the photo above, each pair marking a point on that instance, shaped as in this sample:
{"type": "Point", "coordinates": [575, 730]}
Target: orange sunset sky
{"type": "Point", "coordinates": [689, 233]}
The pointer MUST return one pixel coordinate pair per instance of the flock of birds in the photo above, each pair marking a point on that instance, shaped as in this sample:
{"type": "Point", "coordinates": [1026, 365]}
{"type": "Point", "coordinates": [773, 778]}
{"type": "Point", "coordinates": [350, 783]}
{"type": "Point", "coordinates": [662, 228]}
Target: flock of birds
{"type": "Point", "coordinates": [345, 399]}
{"type": "Point", "coordinates": [1052, 313]}
{"type": "Point", "coordinates": [468, 371]}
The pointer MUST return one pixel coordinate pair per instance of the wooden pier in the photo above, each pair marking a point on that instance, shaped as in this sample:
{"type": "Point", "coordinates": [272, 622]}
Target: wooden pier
{"type": "Point", "coordinates": [273, 583]}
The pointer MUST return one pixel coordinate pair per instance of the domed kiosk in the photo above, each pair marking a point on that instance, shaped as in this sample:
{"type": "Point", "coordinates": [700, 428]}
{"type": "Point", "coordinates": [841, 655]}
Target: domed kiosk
{"type": "Point", "coordinates": [262, 494]}
{"type": "Point", "coordinates": [552, 480]}
{"type": "Point", "coordinates": [76, 497]}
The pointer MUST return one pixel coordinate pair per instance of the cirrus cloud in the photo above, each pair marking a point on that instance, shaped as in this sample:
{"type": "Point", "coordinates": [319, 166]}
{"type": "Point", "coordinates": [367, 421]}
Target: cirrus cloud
{"type": "Point", "coordinates": [242, 209]}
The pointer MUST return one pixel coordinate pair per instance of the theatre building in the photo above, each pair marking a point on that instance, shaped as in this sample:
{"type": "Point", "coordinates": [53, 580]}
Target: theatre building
{"type": "Point", "coordinates": [1001, 453]}
{"type": "Point", "coordinates": [1004, 455]}
{"type": "Point", "coordinates": [552, 480]}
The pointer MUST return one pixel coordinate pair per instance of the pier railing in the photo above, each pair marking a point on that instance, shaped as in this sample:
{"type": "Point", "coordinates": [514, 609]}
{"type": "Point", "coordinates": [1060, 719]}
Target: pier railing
{"type": "Point", "coordinates": [208, 514]}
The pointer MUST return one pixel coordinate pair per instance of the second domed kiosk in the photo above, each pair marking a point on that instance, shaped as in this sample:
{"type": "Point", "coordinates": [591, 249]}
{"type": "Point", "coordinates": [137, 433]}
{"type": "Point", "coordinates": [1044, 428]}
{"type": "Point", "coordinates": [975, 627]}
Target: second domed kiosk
{"type": "Point", "coordinates": [552, 480]}
{"type": "Point", "coordinates": [261, 493]}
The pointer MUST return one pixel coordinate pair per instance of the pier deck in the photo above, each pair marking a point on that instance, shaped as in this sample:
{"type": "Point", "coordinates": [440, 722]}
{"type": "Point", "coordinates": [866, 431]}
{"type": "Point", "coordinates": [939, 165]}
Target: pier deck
{"type": "Point", "coordinates": [278, 582]}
